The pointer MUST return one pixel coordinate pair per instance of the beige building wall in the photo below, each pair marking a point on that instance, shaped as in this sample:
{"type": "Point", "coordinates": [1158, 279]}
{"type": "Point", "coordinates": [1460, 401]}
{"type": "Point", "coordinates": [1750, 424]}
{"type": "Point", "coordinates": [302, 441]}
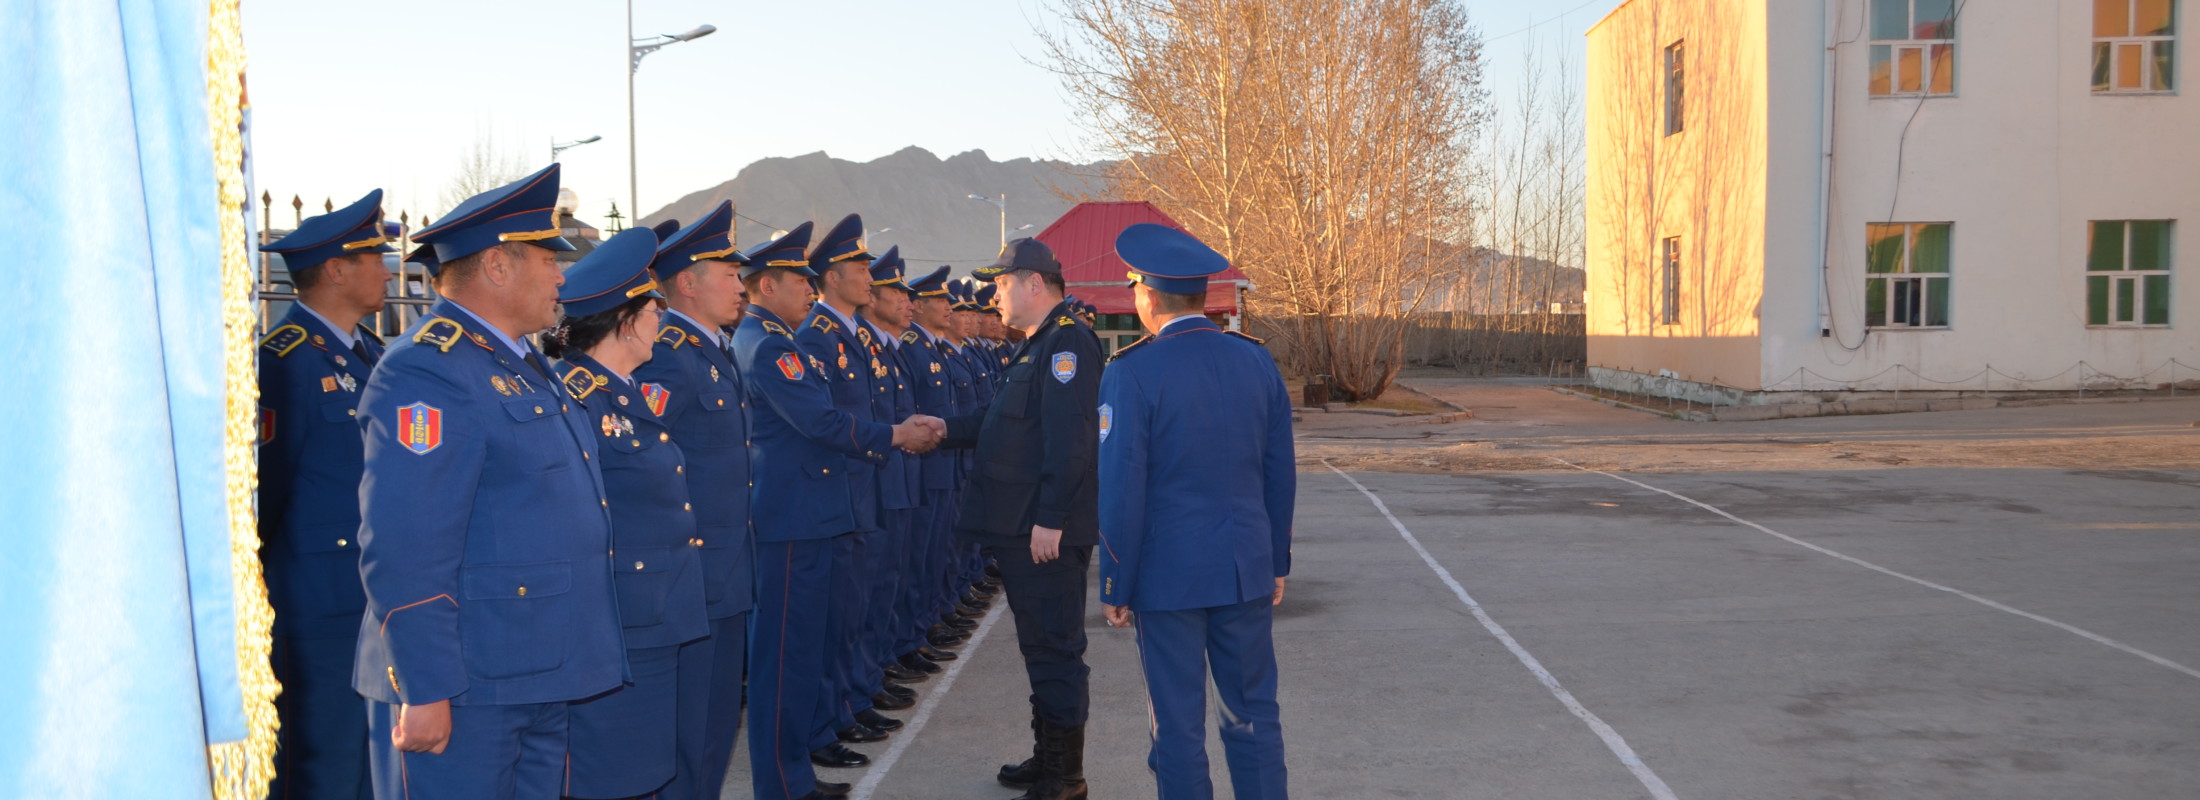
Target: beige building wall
{"type": "Point", "coordinates": [1702, 187]}
{"type": "Point", "coordinates": [2019, 159]}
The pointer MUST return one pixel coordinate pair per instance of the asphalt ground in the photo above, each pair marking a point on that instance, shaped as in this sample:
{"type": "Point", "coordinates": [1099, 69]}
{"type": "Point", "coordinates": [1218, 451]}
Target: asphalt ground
{"type": "Point", "coordinates": [1900, 632]}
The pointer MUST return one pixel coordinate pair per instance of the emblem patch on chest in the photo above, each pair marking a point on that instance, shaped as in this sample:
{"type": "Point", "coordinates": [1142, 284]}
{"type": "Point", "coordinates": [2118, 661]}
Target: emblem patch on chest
{"type": "Point", "coordinates": [655, 396]}
{"type": "Point", "coordinates": [1107, 420]}
{"type": "Point", "coordinates": [1065, 366]}
{"type": "Point", "coordinates": [420, 427]}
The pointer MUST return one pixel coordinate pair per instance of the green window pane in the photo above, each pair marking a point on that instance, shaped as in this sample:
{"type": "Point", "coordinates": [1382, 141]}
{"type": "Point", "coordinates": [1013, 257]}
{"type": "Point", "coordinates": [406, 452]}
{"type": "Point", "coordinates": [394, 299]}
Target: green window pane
{"type": "Point", "coordinates": [1929, 252]}
{"type": "Point", "coordinates": [1882, 77]}
{"type": "Point", "coordinates": [1882, 248]}
{"type": "Point", "coordinates": [1936, 19]}
{"type": "Point", "coordinates": [2157, 301]}
{"type": "Point", "coordinates": [1936, 302]}
{"type": "Point", "coordinates": [1890, 19]}
{"type": "Point", "coordinates": [2111, 18]}
{"type": "Point", "coordinates": [2126, 302]}
{"type": "Point", "coordinates": [2096, 300]}
{"type": "Point", "coordinates": [1875, 302]}
{"type": "Point", "coordinates": [2150, 244]}
{"type": "Point", "coordinates": [2165, 65]}
{"type": "Point", "coordinates": [2100, 66]}
{"type": "Point", "coordinates": [2104, 250]}
{"type": "Point", "coordinates": [2155, 18]}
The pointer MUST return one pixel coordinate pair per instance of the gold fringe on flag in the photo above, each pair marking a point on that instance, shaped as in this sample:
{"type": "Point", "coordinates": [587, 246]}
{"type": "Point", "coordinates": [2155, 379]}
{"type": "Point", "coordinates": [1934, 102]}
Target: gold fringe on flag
{"type": "Point", "coordinates": [241, 769]}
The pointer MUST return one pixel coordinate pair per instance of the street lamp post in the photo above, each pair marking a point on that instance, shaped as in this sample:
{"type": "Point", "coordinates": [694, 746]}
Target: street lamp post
{"type": "Point", "coordinates": [635, 49]}
{"type": "Point", "coordinates": [557, 147]}
{"type": "Point", "coordinates": [1002, 204]}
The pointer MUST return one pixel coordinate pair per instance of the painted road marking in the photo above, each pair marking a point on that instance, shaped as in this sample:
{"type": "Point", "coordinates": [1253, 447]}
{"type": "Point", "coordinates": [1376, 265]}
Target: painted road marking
{"type": "Point", "coordinates": [1904, 576]}
{"type": "Point", "coordinates": [1612, 739]}
{"type": "Point", "coordinates": [932, 700]}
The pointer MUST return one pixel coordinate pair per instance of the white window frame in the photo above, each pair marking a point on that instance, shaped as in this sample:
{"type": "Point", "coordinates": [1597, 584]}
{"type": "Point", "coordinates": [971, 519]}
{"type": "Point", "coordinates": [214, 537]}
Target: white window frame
{"type": "Point", "coordinates": [2128, 280]}
{"type": "Point", "coordinates": [2146, 45]}
{"type": "Point", "coordinates": [1924, 48]}
{"type": "Point", "coordinates": [1920, 283]}
{"type": "Point", "coordinates": [1669, 282]}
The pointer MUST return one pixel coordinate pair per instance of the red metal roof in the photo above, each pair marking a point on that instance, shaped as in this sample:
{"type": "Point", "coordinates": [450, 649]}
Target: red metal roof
{"type": "Point", "coordinates": [1084, 241]}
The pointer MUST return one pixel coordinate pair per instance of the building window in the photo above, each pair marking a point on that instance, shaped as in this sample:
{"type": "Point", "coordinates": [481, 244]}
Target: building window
{"type": "Point", "coordinates": [1675, 86]}
{"type": "Point", "coordinates": [1669, 284]}
{"type": "Point", "coordinates": [1913, 47]}
{"type": "Point", "coordinates": [1906, 275]}
{"type": "Point", "coordinates": [2127, 273]}
{"type": "Point", "coordinates": [2134, 46]}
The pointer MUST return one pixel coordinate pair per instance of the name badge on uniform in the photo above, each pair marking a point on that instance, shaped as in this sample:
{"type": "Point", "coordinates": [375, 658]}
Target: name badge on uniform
{"type": "Point", "coordinates": [1107, 420]}
{"type": "Point", "coordinates": [1065, 366]}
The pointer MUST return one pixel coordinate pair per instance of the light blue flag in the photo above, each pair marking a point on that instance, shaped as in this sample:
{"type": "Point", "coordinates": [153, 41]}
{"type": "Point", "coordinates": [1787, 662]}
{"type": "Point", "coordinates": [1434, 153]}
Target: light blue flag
{"type": "Point", "coordinates": [118, 640]}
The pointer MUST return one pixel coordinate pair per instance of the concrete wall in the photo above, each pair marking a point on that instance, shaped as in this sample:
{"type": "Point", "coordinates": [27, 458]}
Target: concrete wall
{"type": "Point", "coordinates": [1704, 185]}
{"type": "Point", "coordinates": [2020, 159]}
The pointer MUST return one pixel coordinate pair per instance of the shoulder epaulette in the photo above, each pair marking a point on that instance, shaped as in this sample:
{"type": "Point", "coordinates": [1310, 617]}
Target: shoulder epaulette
{"type": "Point", "coordinates": [909, 336]}
{"type": "Point", "coordinates": [368, 334]}
{"type": "Point", "coordinates": [1126, 349]}
{"type": "Point", "coordinates": [281, 341]}
{"type": "Point", "coordinates": [672, 335]}
{"type": "Point", "coordinates": [823, 323]}
{"type": "Point", "coordinates": [579, 382]}
{"type": "Point", "coordinates": [1064, 321]}
{"type": "Point", "coordinates": [863, 334]}
{"type": "Point", "coordinates": [774, 327]}
{"type": "Point", "coordinates": [1246, 337]}
{"type": "Point", "coordinates": [440, 332]}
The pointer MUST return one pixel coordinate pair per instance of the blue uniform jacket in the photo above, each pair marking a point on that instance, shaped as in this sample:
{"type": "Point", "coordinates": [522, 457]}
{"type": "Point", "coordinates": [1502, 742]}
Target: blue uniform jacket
{"type": "Point", "coordinates": [932, 390]}
{"type": "Point", "coordinates": [484, 533]}
{"type": "Point", "coordinates": [804, 443]}
{"type": "Point", "coordinates": [891, 402]}
{"type": "Point", "coordinates": [310, 461]}
{"type": "Point", "coordinates": [847, 367]}
{"type": "Point", "coordinates": [1197, 472]}
{"type": "Point", "coordinates": [654, 563]}
{"type": "Point", "coordinates": [694, 386]}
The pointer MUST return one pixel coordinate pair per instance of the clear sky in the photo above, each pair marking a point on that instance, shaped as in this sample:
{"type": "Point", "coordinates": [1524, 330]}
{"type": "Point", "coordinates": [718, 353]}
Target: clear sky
{"type": "Point", "coordinates": [346, 97]}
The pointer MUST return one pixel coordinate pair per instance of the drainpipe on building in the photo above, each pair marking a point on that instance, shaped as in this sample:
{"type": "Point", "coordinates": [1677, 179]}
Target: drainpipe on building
{"type": "Point", "coordinates": [1831, 19]}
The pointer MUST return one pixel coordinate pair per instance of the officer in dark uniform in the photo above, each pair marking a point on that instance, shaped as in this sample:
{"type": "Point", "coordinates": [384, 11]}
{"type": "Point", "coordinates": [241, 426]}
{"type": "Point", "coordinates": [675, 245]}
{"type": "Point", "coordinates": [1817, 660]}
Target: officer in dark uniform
{"type": "Point", "coordinates": [623, 744]}
{"type": "Point", "coordinates": [311, 368]}
{"type": "Point", "coordinates": [803, 446]}
{"type": "Point", "coordinates": [693, 383]}
{"type": "Point", "coordinates": [1031, 504]}
{"type": "Point", "coordinates": [486, 565]}
{"type": "Point", "coordinates": [1197, 483]}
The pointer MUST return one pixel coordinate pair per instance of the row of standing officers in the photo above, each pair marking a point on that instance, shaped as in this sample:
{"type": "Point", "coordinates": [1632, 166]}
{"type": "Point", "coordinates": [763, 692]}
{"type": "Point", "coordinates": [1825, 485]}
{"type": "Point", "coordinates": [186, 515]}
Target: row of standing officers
{"type": "Point", "coordinates": [811, 473]}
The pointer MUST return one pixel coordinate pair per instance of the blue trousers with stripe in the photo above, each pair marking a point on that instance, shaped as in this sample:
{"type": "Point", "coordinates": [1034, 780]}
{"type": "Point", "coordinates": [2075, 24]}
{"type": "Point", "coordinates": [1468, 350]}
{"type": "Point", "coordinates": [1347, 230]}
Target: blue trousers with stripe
{"type": "Point", "coordinates": [514, 752]}
{"type": "Point", "coordinates": [788, 703]}
{"type": "Point", "coordinates": [1178, 650]}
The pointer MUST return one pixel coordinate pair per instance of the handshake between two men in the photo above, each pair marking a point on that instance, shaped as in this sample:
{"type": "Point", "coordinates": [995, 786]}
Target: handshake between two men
{"type": "Point", "coordinates": [919, 434]}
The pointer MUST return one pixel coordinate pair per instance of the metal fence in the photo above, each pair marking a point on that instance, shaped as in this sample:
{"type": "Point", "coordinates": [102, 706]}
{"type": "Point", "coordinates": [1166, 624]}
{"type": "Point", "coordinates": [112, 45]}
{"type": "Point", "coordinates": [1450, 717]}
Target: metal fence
{"type": "Point", "coordinates": [1483, 344]}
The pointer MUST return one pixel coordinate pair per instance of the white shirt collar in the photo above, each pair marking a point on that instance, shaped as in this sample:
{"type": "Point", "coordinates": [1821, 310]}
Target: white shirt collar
{"type": "Point", "coordinates": [518, 348]}
{"type": "Point", "coordinates": [716, 335]}
{"type": "Point", "coordinates": [343, 336]}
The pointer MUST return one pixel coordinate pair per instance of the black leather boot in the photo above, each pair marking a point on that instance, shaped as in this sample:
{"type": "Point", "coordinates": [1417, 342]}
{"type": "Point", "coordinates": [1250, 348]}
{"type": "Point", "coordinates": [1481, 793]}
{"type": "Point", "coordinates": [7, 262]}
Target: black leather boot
{"type": "Point", "coordinates": [1022, 776]}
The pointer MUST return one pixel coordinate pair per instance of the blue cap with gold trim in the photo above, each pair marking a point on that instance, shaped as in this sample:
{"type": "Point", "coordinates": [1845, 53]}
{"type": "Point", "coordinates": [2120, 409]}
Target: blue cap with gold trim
{"type": "Point", "coordinates": [984, 296]}
{"type": "Point", "coordinates": [615, 272]}
{"type": "Point", "coordinates": [356, 228]}
{"type": "Point", "coordinates": [844, 242]}
{"type": "Point", "coordinates": [932, 285]}
{"type": "Point", "coordinates": [959, 292]}
{"type": "Point", "coordinates": [706, 239]}
{"type": "Point", "coordinates": [886, 271]}
{"type": "Point", "coordinates": [522, 211]}
{"type": "Point", "coordinates": [785, 252]}
{"type": "Point", "coordinates": [1168, 259]}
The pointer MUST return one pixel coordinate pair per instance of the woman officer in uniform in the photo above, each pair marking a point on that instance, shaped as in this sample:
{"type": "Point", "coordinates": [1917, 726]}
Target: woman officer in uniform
{"type": "Point", "coordinates": [621, 744]}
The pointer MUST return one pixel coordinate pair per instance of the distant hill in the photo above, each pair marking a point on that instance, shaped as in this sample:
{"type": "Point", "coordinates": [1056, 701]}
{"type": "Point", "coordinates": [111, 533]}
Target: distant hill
{"type": "Point", "coordinates": [921, 197]}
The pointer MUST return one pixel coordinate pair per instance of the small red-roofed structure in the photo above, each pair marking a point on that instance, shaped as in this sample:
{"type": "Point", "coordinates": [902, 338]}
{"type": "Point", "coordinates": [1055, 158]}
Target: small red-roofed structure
{"type": "Point", "coordinates": [1084, 241]}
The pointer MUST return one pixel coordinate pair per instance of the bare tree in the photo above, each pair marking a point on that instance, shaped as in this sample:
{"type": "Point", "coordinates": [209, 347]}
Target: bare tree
{"type": "Point", "coordinates": [1323, 146]}
{"type": "Point", "coordinates": [483, 166]}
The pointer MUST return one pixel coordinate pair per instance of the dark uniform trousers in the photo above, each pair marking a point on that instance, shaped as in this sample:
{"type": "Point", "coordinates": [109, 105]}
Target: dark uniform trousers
{"type": "Point", "coordinates": [1048, 603]}
{"type": "Point", "coordinates": [526, 743]}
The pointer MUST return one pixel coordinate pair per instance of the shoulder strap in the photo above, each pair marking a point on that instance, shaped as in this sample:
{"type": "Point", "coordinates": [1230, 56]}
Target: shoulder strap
{"type": "Point", "coordinates": [673, 335]}
{"type": "Point", "coordinates": [283, 340]}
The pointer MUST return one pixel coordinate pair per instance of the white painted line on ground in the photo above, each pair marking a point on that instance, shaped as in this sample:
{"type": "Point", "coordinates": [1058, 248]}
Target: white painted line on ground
{"type": "Point", "coordinates": [1904, 576]}
{"type": "Point", "coordinates": [908, 733]}
{"type": "Point", "coordinates": [1612, 739]}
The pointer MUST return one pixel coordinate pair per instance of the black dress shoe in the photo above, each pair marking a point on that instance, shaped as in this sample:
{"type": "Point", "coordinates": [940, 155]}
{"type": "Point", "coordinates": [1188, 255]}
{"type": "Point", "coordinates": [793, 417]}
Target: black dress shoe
{"type": "Point", "coordinates": [870, 718]}
{"type": "Point", "coordinates": [993, 574]}
{"type": "Point", "coordinates": [887, 701]}
{"type": "Point", "coordinates": [902, 692]}
{"type": "Point", "coordinates": [920, 664]}
{"type": "Point", "coordinates": [966, 612]}
{"type": "Point", "coordinates": [860, 734]}
{"type": "Point", "coordinates": [838, 756]}
{"type": "Point", "coordinates": [959, 623]}
{"type": "Point", "coordinates": [834, 789]}
{"type": "Point", "coordinates": [981, 602]}
{"type": "Point", "coordinates": [943, 639]}
{"type": "Point", "coordinates": [936, 654]}
{"type": "Point", "coordinates": [897, 672]}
